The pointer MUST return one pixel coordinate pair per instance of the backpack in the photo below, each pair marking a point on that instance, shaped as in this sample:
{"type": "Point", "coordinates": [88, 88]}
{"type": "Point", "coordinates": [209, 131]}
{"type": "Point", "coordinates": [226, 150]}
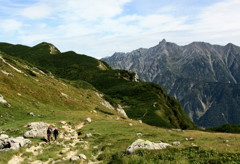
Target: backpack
{"type": "Point", "coordinates": [49, 131]}
{"type": "Point", "coordinates": [55, 131]}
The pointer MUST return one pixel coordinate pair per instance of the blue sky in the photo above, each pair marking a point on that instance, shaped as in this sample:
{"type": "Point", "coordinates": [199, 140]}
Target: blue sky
{"type": "Point", "coordinates": [100, 28]}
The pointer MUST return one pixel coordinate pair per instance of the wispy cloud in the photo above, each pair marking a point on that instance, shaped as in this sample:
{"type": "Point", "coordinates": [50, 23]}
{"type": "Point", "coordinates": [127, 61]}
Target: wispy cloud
{"type": "Point", "coordinates": [10, 26]}
{"type": "Point", "coordinates": [99, 28]}
{"type": "Point", "coordinates": [37, 11]}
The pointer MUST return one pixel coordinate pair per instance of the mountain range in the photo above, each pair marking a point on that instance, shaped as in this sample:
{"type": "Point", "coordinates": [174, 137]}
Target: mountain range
{"type": "Point", "coordinates": [121, 89]}
{"type": "Point", "coordinates": [205, 78]}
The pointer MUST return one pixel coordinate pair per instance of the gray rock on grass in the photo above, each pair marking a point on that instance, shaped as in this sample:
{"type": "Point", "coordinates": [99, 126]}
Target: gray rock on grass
{"type": "Point", "coordinates": [176, 143]}
{"type": "Point", "coordinates": [37, 130]}
{"type": "Point", "coordinates": [14, 143]}
{"type": "Point", "coordinates": [145, 144]}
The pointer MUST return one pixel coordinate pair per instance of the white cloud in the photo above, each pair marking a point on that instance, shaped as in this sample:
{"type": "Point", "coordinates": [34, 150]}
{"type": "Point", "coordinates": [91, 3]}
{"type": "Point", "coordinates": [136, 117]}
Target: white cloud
{"type": "Point", "coordinates": [37, 11]}
{"type": "Point", "coordinates": [99, 28]}
{"type": "Point", "coordinates": [10, 26]}
{"type": "Point", "coordinates": [222, 16]}
{"type": "Point", "coordinates": [88, 10]}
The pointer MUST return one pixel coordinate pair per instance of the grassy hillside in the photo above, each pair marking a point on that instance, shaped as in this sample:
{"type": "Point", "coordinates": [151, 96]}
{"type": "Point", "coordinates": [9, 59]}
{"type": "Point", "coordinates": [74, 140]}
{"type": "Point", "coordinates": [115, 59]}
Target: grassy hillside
{"type": "Point", "coordinates": [28, 89]}
{"type": "Point", "coordinates": [145, 101]}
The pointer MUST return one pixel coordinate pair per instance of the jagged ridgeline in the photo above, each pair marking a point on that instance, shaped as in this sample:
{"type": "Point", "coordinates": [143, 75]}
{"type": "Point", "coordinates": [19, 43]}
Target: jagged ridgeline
{"type": "Point", "coordinates": [204, 78]}
{"type": "Point", "coordinates": [142, 101]}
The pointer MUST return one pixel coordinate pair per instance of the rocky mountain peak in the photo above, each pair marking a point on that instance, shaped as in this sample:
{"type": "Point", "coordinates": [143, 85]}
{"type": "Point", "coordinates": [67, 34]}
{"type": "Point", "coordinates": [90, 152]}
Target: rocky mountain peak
{"type": "Point", "coordinates": [163, 42]}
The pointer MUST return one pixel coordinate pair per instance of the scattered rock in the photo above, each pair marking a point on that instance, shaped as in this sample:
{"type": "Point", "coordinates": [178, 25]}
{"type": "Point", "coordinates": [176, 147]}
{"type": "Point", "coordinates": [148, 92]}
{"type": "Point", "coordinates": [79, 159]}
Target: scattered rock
{"type": "Point", "coordinates": [2, 100]}
{"type": "Point", "coordinates": [88, 120]}
{"type": "Point", "coordinates": [63, 122]}
{"type": "Point", "coordinates": [176, 143]}
{"type": "Point", "coordinates": [93, 111]}
{"type": "Point", "coordinates": [140, 121]}
{"type": "Point", "coordinates": [88, 135]}
{"type": "Point", "coordinates": [37, 130]}
{"type": "Point", "coordinates": [32, 114]}
{"type": "Point", "coordinates": [82, 156]}
{"type": "Point", "coordinates": [74, 158]}
{"type": "Point", "coordinates": [142, 144]}
{"type": "Point", "coordinates": [8, 105]}
{"type": "Point", "coordinates": [130, 124]}
{"type": "Point", "coordinates": [116, 118]}
{"type": "Point", "coordinates": [189, 139]}
{"type": "Point", "coordinates": [194, 145]}
{"type": "Point", "coordinates": [139, 134]}
{"type": "Point", "coordinates": [226, 141]}
{"type": "Point", "coordinates": [64, 95]}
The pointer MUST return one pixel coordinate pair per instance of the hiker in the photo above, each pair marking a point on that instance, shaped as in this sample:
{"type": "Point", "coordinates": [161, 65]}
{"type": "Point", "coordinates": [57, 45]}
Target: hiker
{"type": "Point", "coordinates": [49, 134]}
{"type": "Point", "coordinates": [55, 133]}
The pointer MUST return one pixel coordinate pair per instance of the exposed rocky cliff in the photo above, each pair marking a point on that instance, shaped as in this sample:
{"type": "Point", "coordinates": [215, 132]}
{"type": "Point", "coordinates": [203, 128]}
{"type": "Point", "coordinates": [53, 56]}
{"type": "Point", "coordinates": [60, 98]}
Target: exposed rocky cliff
{"type": "Point", "coordinates": [203, 77]}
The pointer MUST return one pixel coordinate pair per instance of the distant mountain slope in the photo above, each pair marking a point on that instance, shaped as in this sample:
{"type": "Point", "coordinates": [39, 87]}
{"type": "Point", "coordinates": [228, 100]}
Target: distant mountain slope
{"type": "Point", "coordinates": [203, 77]}
{"type": "Point", "coordinates": [145, 101]}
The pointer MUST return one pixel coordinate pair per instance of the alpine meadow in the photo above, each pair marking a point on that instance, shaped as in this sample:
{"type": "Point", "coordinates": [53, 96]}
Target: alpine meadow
{"type": "Point", "coordinates": [119, 82]}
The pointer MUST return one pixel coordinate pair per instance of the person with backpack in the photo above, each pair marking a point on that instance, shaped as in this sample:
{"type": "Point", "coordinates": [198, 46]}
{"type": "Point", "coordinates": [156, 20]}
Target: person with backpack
{"type": "Point", "coordinates": [49, 134]}
{"type": "Point", "coordinates": [55, 134]}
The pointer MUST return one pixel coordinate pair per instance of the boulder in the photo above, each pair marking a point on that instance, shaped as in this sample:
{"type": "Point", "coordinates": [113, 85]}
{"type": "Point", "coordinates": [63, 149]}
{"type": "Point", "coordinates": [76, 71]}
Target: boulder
{"type": "Point", "coordinates": [37, 130]}
{"type": "Point", "coordinates": [176, 143]}
{"type": "Point", "coordinates": [140, 121]}
{"type": "Point", "coordinates": [88, 135]}
{"type": "Point", "coordinates": [3, 136]}
{"type": "Point", "coordinates": [145, 144]}
{"type": "Point", "coordinates": [139, 134]}
{"type": "Point", "coordinates": [2, 100]}
{"type": "Point", "coordinates": [32, 114]}
{"type": "Point", "coordinates": [14, 143]}
{"type": "Point", "coordinates": [74, 158]}
{"type": "Point", "coordinates": [189, 139]}
{"type": "Point", "coordinates": [88, 120]}
{"type": "Point", "coordinates": [130, 124]}
{"type": "Point", "coordinates": [82, 156]}
{"type": "Point", "coordinates": [194, 145]}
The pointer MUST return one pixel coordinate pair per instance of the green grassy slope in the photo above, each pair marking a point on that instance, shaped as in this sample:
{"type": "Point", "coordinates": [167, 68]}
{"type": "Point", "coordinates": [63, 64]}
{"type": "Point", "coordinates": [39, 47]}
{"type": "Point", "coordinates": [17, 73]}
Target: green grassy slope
{"type": "Point", "coordinates": [144, 101]}
{"type": "Point", "coordinates": [28, 89]}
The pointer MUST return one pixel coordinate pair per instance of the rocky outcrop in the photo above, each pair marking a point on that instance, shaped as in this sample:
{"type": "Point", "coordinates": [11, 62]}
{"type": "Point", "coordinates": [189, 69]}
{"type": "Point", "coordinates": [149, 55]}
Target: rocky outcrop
{"type": "Point", "coordinates": [37, 130]}
{"type": "Point", "coordinates": [145, 144]}
{"type": "Point", "coordinates": [14, 143]}
{"type": "Point", "coordinates": [121, 111]}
